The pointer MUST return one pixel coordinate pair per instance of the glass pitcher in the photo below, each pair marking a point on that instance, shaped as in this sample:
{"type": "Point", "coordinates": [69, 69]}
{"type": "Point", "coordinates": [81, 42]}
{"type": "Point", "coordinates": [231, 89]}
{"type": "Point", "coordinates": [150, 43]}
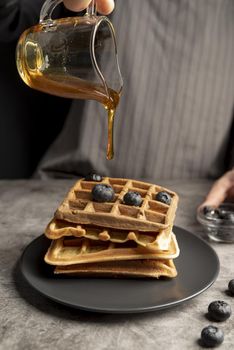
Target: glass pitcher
{"type": "Point", "coordinates": [74, 57]}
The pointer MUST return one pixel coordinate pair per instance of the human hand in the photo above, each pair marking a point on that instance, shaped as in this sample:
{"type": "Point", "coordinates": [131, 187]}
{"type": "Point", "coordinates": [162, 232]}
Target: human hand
{"type": "Point", "coordinates": [222, 189]}
{"type": "Point", "coordinates": [103, 6]}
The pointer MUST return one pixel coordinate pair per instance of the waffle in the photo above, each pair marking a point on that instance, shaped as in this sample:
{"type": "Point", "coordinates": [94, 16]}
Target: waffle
{"type": "Point", "coordinates": [70, 251]}
{"type": "Point", "coordinates": [152, 215]}
{"type": "Point", "coordinates": [133, 269]}
{"type": "Point", "coordinates": [152, 240]}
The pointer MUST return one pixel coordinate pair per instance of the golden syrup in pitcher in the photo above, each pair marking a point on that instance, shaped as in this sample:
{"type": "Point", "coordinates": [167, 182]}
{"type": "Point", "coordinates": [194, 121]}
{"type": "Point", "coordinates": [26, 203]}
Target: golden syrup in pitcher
{"type": "Point", "coordinates": [35, 72]}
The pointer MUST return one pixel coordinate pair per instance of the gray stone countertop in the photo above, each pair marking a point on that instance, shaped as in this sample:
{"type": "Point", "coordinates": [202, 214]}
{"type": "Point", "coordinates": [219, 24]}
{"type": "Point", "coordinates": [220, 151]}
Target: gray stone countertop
{"type": "Point", "coordinates": [31, 321]}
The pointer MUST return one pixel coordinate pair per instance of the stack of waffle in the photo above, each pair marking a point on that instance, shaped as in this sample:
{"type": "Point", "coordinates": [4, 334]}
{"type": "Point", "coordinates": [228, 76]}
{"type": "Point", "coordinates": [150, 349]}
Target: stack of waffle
{"type": "Point", "coordinates": [112, 238]}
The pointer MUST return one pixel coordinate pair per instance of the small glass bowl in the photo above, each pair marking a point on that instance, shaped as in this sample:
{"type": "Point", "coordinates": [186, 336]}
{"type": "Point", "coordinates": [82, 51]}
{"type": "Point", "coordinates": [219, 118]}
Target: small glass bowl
{"type": "Point", "coordinates": [218, 229]}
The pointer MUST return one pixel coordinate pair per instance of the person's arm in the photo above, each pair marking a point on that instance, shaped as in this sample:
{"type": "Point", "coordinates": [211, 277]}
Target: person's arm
{"type": "Point", "coordinates": [16, 16]}
{"type": "Point", "coordinates": [222, 189]}
{"type": "Point", "coordinates": [103, 6]}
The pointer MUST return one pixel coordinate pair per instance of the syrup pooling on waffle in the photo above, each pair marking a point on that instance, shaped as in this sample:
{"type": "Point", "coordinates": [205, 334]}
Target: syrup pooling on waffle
{"type": "Point", "coordinates": [78, 206]}
{"type": "Point", "coordinates": [152, 240]}
{"type": "Point", "coordinates": [134, 268]}
{"type": "Point", "coordinates": [68, 251]}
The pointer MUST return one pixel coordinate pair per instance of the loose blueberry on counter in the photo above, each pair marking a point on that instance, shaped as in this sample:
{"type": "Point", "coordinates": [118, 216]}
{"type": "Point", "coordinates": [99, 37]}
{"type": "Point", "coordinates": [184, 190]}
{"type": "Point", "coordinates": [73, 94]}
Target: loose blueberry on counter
{"type": "Point", "coordinates": [231, 287]}
{"type": "Point", "coordinates": [93, 177]}
{"type": "Point", "coordinates": [103, 193]}
{"type": "Point", "coordinates": [211, 213]}
{"type": "Point", "coordinates": [163, 197]}
{"type": "Point", "coordinates": [212, 336]}
{"type": "Point", "coordinates": [219, 310]}
{"type": "Point", "coordinates": [132, 198]}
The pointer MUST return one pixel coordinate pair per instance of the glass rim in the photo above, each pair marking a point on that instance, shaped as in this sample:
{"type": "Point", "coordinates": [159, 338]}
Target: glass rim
{"type": "Point", "coordinates": [216, 222]}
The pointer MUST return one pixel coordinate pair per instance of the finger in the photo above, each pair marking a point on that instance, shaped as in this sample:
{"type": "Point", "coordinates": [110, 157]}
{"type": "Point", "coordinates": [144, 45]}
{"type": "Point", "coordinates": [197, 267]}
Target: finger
{"type": "Point", "coordinates": [105, 6]}
{"type": "Point", "coordinates": [218, 192]}
{"type": "Point", "coordinates": [76, 5]}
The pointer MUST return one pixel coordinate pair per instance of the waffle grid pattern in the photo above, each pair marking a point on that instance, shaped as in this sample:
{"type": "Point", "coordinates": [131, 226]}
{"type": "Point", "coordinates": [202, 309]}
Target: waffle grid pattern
{"type": "Point", "coordinates": [151, 215]}
{"type": "Point", "coordinates": [152, 240]}
{"type": "Point", "coordinates": [70, 251]}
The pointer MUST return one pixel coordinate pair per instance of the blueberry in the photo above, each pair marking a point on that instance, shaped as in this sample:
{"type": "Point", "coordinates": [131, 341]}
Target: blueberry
{"type": "Point", "coordinates": [212, 336]}
{"type": "Point", "coordinates": [219, 310]}
{"type": "Point", "coordinates": [211, 213]}
{"type": "Point", "coordinates": [132, 198]}
{"type": "Point", "coordinates": [163, 197]}
{"type": "Point", "coordinates": [103, 193]}
{"type": "Point", "coordinates": [207, 210]}
{"type": "Point", "coordinates": [231, 286]}
{"type": "Point", "coordinates": [222, 213]}
{"type": "Point", "coordinates": [93, 177]}
{"type": "Point", "coordinates": [226, 215]}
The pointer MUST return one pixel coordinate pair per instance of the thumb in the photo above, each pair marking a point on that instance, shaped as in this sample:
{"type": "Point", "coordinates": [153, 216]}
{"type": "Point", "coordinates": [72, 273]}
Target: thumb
{"type": "Point", "coordinates": [76, 5]}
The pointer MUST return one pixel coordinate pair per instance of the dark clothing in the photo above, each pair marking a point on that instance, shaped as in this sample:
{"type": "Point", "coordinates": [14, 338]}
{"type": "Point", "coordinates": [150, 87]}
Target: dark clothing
{"type": "Point", "coordinates": [16, 16]}
{"type": "Point", "coordinates": [29, 120]}
{"type": "Point", "coordinates": [176, 111]}
{"type": "Point", "coordinates": [175, 115]}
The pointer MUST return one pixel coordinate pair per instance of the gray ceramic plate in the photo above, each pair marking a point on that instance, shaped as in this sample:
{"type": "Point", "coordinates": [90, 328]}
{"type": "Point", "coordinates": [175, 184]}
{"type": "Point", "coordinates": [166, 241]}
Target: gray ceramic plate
{"type": "Point", "coordinates": [197, 266]}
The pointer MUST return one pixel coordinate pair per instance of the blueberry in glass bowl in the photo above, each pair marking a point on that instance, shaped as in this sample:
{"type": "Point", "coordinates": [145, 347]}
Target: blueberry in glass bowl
{"type": "Point", "coordinates": [218, 223]}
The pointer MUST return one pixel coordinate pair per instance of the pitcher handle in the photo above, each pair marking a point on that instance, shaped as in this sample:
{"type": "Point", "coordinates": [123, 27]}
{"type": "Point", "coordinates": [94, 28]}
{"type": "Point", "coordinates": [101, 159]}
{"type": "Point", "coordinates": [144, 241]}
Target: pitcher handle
{"type": "Point", "coordinates": [92, 9]}
{"type": "Point", "coordinates": [47, 10]}
{"type": "Point", "coordinates": [49, 6]}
